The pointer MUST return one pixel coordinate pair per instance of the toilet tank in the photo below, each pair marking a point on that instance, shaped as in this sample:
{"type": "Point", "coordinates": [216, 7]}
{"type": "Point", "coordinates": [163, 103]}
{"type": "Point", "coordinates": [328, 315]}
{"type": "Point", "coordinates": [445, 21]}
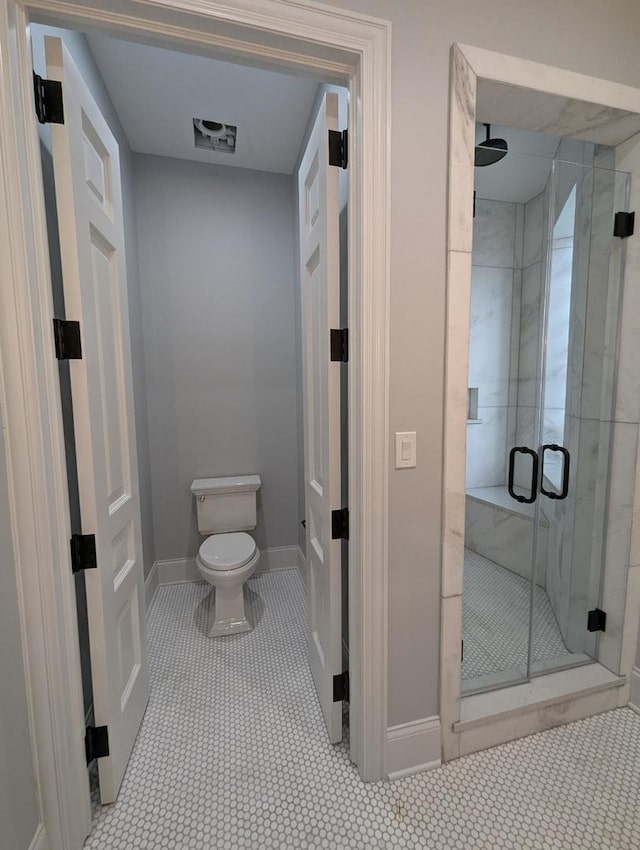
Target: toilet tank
{"type": "Point", "coordinates": [226, 504]}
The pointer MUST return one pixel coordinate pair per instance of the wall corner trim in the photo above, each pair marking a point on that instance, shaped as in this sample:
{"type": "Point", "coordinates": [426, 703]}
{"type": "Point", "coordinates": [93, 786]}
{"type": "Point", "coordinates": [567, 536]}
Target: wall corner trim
{"type": "Point", "coordinates": [413, 747]}
{"type": "Point", "coordinates": [634, 697]}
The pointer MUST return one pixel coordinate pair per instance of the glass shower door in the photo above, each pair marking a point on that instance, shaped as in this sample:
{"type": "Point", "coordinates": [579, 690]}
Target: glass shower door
{"type": "Point", "coordinates": [579, 326]}
{"type": "Point", "coordinates": [503, 398]}
{"type": "Point", "coordinates": [545, 305]}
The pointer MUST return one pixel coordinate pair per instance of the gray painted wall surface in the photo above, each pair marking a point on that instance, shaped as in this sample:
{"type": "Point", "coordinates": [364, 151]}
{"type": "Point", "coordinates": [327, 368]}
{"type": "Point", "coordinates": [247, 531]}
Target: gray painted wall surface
{"type": "Point", "coordinates": [217, 282]}
{"type": "Point", "coordinates": [587, 36]}
{"type": "Point", "coordinates": [79, 49]}
{"type": "Point", "coordinates": [19, 816]}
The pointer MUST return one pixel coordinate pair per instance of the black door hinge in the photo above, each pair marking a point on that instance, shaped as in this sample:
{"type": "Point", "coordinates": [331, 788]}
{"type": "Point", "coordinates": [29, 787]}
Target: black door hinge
{"type": "Point", "coordinates": [461, 651]}
{"type": "Point", "coordinates": [83, 552]}
{"type": "Point", "coordinates": [340, 524]}
{"type": "Point", "coordinates": [67, 339]}
{"type": "Point", "coordinates": [339, 344]}
{"type": "Point", "coordinates": [96, 742]}
{"type": "Point", "coordinates": [339, 148]}
{"type": "Point", "coordinates": [597, 620]}
{"type": "Point", "coordinates": [48, 98]}
{"type": "Point", "coordinates": [623, 223]}
{"type": "Point", "coordinates": [341, 686]}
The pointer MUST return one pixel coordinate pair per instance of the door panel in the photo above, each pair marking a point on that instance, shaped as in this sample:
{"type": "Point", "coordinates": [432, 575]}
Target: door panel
{"type": "Point", "coordinates": [544, 326]}
{"type": "Point", "coordinates": [89, 205]}
{"type": "Point", "coordinates": [320, 289]}
{"type": "Point", "coordinates": [580, 335]}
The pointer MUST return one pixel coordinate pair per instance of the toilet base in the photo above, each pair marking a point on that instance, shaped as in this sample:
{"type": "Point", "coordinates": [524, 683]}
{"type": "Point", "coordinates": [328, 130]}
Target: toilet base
{"type": "Point", "coordinates": [228, 616]}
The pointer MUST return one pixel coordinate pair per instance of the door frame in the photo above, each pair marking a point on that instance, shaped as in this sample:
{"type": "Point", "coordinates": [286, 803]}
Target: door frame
{"type": "Point", "coordinates": [471, 66]}
{"type": "Point", "coordinates": [291, 35]}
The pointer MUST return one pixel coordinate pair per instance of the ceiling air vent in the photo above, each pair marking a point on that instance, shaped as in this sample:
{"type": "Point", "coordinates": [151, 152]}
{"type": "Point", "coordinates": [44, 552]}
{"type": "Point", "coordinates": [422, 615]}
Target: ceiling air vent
{"type": "Point", "coordinates": [214, 136]}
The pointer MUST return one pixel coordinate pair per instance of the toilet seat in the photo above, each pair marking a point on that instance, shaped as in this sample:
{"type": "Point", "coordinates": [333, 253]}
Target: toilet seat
{"type": "Point", "coordinates": [227, 551]}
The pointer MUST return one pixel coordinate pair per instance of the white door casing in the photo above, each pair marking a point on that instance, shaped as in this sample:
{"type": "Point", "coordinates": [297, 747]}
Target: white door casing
{"type": "Point", "coordinates": [90, 216]}
{"type": "Point", "coordinates": [318, 204]}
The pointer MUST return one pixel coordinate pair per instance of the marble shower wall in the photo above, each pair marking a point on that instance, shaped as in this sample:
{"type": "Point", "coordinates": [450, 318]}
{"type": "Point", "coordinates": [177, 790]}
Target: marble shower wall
{"type": "Point", "coordinates": [496, 281]}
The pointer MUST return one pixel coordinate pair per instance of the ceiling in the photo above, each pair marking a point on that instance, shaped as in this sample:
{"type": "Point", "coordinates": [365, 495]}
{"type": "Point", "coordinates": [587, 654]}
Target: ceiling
{"type": "Point", "coordinates": [524, 171]}
{"type": "Point", "coordinates": [157, 93]}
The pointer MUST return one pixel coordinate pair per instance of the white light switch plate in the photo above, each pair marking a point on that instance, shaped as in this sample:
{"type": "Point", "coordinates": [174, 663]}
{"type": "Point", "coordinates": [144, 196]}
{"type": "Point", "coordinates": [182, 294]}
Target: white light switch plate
{"type": "Point", "coordinates": [405, 449]}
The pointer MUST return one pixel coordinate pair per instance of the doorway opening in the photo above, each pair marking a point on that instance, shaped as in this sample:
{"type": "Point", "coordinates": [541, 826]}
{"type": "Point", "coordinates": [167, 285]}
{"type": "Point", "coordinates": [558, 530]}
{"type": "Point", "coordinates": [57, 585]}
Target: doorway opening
{"type": "Point", "coordinates": [222, 293]}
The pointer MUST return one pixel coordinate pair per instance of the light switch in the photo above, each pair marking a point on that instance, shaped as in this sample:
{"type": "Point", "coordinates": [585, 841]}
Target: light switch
{"type": "Point", "coordinates": [405, 449]}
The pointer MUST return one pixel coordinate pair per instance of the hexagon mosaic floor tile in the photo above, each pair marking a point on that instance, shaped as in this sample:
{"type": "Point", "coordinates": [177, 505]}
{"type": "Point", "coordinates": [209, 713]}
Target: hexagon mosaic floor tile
{"type": "Point", "coordinates": [232, 753]}
{"type": "Point", "coordinates": [496, 614]}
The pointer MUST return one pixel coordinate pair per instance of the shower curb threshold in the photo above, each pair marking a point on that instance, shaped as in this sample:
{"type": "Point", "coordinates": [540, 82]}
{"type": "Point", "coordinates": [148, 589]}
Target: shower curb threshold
{"type": "Point", "coordinates": [553, 689]}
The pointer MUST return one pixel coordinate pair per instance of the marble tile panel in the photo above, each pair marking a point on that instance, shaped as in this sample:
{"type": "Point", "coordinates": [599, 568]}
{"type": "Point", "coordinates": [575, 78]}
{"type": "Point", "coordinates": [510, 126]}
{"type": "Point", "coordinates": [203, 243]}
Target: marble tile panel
{"type": "Point", "coordinates": [630, 629]}
{"type": "Point", "coordinates": [628, 390]}
{"type": "Point", "coordinates": [501, 536]}
{"type": "Point", "coordinates": [525, 436]}
{"type": "Point", "coordinates": [529, 335]}
{"type": "Point", "coordinates": [533, 232]}
{"type": "Point", "coordinates": [450, 669]}
{"type": "Point", "coordinates": [617, 548]}
{"type": "Point", "coordinates": [461, 152]}
{"type": "Point", "coordinates": [519, 237]}
{"type": "Point", "coordinates": [486, 448]}
{"type": "Point", "coordinates": [455, 460]}
{"type": "Point", "coordinates": [490, 334]}
{"type": "Point", "coordinates": [627, 401]}
{"type": "Point", "coordinates": [494, 231]}
{"type": "Point", "coordinates": [559, 312]}
{"type": "Point", "coordinates": [602, 315]}
{"type": "Point", "coordinates": [514, 355]}
{"type": "Point", "coordinates": [574, 150]}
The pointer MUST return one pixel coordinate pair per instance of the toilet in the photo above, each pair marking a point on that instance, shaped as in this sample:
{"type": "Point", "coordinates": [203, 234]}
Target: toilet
{"type": "Point", "coordinates": [228, 557]}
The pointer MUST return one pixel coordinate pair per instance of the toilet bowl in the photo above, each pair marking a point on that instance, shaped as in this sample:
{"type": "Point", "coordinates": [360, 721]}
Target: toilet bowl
{"type": "Point", "coordinates": [226, 509]}
{"type": "Point", "coordinates": [227, 561]}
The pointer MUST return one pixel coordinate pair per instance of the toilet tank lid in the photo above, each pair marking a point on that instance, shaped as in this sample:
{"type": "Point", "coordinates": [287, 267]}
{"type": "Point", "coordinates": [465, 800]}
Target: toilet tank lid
{"type": "Point", "coordinates": [230, 484]}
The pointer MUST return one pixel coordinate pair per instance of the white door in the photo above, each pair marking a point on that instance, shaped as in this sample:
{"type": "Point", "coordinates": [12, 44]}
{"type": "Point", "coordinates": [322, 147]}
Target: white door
{"type": "Point", "coordinates": [89, 204]}
{"type": "Point", "coordinates": [320, 285]}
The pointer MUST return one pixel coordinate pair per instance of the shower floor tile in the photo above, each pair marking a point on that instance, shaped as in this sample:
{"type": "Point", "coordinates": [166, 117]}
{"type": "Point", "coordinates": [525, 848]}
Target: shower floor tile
{"type": "Point", "coordinates": [495, 621]}
{"type": "Point", "coordinates": [232, 753]}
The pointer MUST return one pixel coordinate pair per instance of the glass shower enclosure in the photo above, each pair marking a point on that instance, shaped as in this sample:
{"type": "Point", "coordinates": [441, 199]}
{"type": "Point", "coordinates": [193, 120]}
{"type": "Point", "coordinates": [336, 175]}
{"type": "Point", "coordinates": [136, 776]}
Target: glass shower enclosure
{"type": "Point", "coordinates": [545, 307]}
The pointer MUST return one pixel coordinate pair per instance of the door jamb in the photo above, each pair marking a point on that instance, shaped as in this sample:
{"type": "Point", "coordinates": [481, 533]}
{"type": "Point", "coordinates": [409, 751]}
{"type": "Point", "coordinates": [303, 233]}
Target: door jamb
{"type": "Point", "coordinates": [337, 44]}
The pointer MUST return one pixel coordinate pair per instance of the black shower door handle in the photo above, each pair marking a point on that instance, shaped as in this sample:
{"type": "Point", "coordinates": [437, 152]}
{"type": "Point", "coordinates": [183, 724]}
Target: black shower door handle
{"type": "Point", "coordinates": [566, 461]}
{"type": "Point", "coordinates": [525, 450]}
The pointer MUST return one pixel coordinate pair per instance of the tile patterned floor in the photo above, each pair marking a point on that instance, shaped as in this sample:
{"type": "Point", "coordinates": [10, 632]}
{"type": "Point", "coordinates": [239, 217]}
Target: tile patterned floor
{"type": "Point", "coordinates": [232, 754]}
{"type": "Point", "coordinates": [496, 604]}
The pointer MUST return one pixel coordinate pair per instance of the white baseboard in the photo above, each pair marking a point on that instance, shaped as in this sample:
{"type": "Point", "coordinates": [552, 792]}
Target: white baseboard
{"type": "Point", "coordinates": [150, 587]}
{"type": "Point", "coordinates": [634, 697]}
{"type": "Point", "coordinates": [412, 747]}
{"type": "Point", "coordinates": [278, 558]}
{"type": "Point", "coordinates": [178, 570]}
{"type": "Point", "coordinates": [39, 841]}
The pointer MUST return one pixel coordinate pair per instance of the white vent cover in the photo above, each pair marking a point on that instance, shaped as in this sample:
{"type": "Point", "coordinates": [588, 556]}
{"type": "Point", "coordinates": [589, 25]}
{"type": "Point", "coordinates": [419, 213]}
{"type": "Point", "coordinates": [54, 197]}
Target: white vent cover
{"type": "Point", "coordinates": [214, 136]}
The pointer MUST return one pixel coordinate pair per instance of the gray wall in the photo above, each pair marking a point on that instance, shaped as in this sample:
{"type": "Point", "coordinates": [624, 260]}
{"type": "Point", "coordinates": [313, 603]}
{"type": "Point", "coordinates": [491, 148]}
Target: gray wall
{"type": "Point", "coordinates": [217, 283]}
{"type": "Point", "coordinates": [79, 49]}
{"type": "Point", "coordinates": [587, 36]}
{"type": "Point", "coordinates": [19, 816]}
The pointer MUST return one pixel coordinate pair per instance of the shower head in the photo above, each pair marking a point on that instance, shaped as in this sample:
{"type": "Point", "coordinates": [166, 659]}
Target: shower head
{"type": "Point", "coordinates": [491, 150]}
